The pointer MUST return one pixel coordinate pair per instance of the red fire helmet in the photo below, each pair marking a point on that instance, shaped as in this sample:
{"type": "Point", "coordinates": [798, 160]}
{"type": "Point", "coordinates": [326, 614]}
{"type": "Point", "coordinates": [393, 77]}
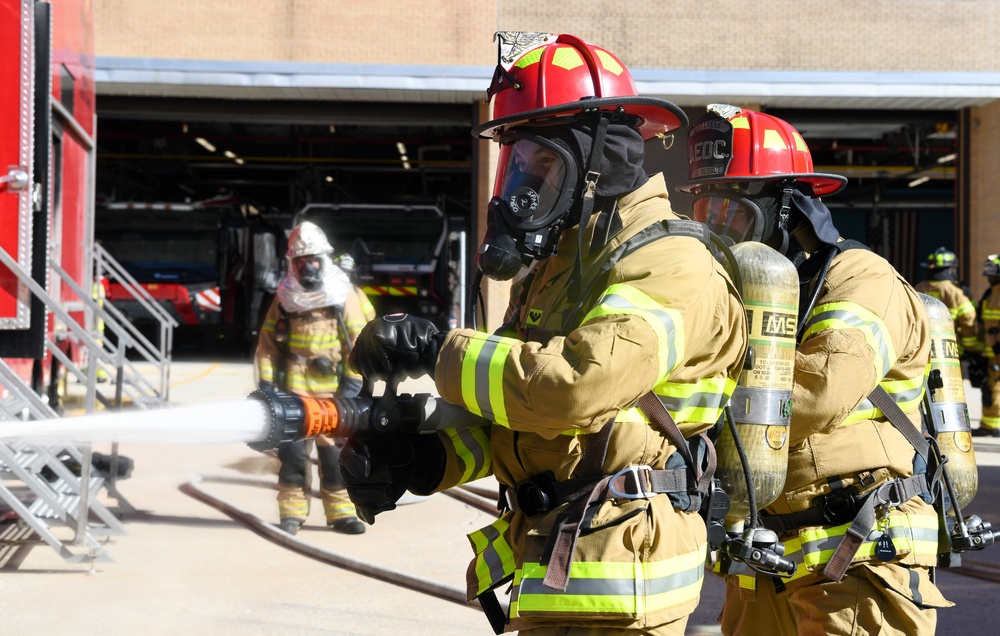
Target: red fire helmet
{"type": "Point", "coordinates": [754, 147]}
{"type": "Point", "coordinates": [565, 78]}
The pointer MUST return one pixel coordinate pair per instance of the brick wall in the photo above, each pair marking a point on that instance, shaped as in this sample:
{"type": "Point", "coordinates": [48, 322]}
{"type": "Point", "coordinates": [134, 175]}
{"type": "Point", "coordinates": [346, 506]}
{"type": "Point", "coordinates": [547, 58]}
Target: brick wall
{"type": "Point", "coordinates": [850, 35]}
{"type": "Point", "coordinates": [984, 196]}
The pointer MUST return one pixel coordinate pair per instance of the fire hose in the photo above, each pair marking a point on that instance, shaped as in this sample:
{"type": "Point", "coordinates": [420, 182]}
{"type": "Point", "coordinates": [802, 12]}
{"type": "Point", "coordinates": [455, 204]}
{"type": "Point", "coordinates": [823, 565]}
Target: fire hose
{"type": "Point", "coordinates": [194, 489]}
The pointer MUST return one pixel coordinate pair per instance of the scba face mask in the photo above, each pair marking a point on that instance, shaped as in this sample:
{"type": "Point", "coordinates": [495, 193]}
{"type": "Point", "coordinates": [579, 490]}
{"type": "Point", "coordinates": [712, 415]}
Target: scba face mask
{"type": "Point", "coordinates": [759, 213]}
{"type": "Point", "coordinates": [536, 182]}
{"type": "Point", "coordinates": [309, 271]}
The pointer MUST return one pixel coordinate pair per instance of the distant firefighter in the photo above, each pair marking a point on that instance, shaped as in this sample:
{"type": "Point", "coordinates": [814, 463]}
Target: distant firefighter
{"type": "Point", "coordinates": [942, 283]}
{"type": "Point", "coordinates": [305, 340]}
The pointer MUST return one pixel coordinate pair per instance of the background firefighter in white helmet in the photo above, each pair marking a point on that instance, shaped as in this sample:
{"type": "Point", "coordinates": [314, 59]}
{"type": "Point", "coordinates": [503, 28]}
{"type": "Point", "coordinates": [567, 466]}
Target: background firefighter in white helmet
{"type": "Point", "coordinates": [602, 337]}
{"type": "Point", "coordinates": [863, 340]}
{"type": "Point", "coordinates": [942, 283]}
{"type": "Point", "coordinates": [304, 343]}
{"type": "Point", "coordinates": [989, 345]}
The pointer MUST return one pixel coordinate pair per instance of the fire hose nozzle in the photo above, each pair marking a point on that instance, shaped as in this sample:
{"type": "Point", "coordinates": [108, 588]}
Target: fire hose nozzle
{"type": "Point", "coordinates": [292, 418]}
{"type": "Point", "coordinates": [286, 414]}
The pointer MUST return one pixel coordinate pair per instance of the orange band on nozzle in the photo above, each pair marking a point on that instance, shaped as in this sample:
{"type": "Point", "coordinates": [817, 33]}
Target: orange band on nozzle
{"type": "Point", "coordinates": [321, 417]}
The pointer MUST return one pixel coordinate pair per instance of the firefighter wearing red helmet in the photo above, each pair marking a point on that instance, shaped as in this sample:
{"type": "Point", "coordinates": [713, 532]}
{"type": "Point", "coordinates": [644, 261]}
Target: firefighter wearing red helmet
{"type": "Point", "coordinates": [305, 338]}
{"type": "Point", "coordinates": [942, 283]}
{"type": "Point", "coordinates": [851, 514]}
{"type": "Point", "coordinates": [622, 343]}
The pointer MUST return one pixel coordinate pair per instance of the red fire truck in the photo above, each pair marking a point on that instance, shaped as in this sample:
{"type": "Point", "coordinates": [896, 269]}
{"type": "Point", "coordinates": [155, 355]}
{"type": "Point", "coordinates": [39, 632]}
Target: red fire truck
{"type": "Point", "coordinates": [208, 264]}
{"type": "Point", "coordinates": [47, 125]}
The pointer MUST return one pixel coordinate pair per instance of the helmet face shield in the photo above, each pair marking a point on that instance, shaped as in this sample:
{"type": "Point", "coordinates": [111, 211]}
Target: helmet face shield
{"type": "Point", "coordinates": [536, 179]}
{"type": "Point", "coordinates": [729, 215]}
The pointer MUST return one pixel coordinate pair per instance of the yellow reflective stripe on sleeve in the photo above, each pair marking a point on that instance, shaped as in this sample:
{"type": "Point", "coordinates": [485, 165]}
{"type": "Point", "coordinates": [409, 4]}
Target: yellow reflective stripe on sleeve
{"type": "Point", "coordinates": [482, 376]}
{"type": "Point", "coordinates": [268, 326]}
{"type": "Point", "coordinates": [266, 370]}
{"type": "Point", "coordinates": [626, 588]}
{"type": "Point", "coordinates": [472, 448]}
{"type": "Point", "coordinates": [666, 323]}
{"type": "Point", "coordinates": [494, 561]}
{"type": "Point", "coordinates": [906, 393]}
{"type": "Point", "coordinates": [700, 401]}
{"type": "Point", "coordinates": [964, 308]}
{"type": "Point", "coordinates": [844, 315]}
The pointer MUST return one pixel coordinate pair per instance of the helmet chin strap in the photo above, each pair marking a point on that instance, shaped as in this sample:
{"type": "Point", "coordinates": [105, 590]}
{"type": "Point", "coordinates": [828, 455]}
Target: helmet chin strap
{"type": "Point", "coordinates": [783, 215]}
{"type": "Point", "coordinates": [587, 204]}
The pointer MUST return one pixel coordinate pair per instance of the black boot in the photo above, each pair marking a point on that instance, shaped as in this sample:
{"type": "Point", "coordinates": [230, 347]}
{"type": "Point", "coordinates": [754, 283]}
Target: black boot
{"type": "Point", "coordinates": [290, 525]}
{"type": "Point", "coordinates": [347, 525]}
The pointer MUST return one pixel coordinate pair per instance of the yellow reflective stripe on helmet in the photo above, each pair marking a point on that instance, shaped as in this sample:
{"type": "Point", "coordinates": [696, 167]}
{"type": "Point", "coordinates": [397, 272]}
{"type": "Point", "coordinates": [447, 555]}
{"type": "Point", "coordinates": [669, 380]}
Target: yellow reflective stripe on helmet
{"type": "Point", "coordinates": [472, 448]}
{"type": "Point", "coordinates": [667, 323]}
{"type": "Point", "coordinates": [529, 58]}
{"type": "Point", "coordinates": [627, 588]}
{"type": "Point", "coordinates": [910, 533]}
{"type": "Point", "coordinates": [482, 376]}
{"type": "Point", "coordinates": [609, 63]}
{"type": "Point", "coordinates": [906, 393]}
{"type": "Point", "coordinates": [845, 315]}
{"type": "Point", "coordinates": [700, 401]}
{"type": "Point", "coordinates": [494, 561]}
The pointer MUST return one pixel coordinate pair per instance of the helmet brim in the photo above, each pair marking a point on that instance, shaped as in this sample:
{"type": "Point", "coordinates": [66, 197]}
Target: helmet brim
{"type": "Point", "coordinates": [822, 184]}
{"type": "Point", "coordinates": [657, 116]}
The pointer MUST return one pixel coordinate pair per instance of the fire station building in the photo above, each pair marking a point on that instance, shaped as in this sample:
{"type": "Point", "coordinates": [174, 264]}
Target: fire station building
{"type": "Point", "coordinates": [289, 103]}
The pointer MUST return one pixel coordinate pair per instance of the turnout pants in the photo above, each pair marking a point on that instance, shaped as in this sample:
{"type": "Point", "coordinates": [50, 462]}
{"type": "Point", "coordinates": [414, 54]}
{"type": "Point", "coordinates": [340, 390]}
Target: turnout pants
{"type": "Point", "coordinates": [295, 481]}
{"type": "Point", "coordinates": [991, 399]}
{"type": "Point", "coordinates": [861, 604]}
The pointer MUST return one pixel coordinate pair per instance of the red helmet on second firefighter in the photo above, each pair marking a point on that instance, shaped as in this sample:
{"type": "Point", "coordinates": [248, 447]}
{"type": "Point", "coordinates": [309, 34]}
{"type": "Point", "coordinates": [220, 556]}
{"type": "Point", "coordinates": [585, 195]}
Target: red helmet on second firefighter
{"type": "Point", "coordinates": [550, 96]}
{"type": "Point", "coordinates": [749, 172]}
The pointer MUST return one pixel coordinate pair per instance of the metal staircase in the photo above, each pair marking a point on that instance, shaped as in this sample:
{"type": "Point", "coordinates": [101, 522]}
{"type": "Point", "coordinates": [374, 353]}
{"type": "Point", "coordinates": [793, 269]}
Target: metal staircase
{"type": "Point", "coordinates": [62, 506]}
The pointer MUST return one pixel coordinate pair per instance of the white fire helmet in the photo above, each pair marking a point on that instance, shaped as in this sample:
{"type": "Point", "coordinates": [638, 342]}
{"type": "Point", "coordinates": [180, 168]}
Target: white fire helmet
{"type": "Point", "coordinates": [307, 239]}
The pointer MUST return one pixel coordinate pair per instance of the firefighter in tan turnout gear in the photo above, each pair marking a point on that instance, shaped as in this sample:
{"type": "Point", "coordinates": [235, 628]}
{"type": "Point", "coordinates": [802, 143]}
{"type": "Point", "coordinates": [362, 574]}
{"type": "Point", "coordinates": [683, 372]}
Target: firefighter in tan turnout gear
{"type": "Point", "coordinates": [989, 317]}
{"type": "Point", "coordinates": [851, 515]}
{"type": "Point", "coordinates": [304, 342]}
{"type": "Point", "coordinates": [942, 283]}
{"type": "Point", "coordinates": [625, 335]}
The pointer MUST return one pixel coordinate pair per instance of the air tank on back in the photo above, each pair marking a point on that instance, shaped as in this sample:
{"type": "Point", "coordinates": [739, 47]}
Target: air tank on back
{"type": "Point", "coordinates": [948, 410]}
{"type": "Point", "coordinates": [761, 404]}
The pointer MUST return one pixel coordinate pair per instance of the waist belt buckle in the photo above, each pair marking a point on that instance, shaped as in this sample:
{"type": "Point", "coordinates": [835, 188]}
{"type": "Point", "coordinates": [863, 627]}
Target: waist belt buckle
{"type": "Point", "coordinates": [888, 494]}
{"type": "Point", "coordinates": [643, 487]}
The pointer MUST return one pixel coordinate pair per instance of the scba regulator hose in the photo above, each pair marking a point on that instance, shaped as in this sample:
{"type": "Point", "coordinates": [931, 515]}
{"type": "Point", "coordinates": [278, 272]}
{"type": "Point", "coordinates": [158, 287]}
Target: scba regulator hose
{"type": "Point", "coordinates": [193, 488]}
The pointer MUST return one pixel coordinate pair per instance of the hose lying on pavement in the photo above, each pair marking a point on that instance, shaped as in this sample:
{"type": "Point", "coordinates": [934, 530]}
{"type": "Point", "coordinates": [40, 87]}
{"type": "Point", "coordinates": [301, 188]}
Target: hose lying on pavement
{"type": "Point", "coordinates": [261, 527]}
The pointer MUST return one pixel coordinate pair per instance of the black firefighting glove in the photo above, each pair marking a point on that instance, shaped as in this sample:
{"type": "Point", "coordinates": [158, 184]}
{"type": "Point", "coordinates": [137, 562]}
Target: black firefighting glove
{"type": "Point", "coordinates": [394, 345]}
{"type": "Point", "coordinates": [322, 366]}
{"type": "Point", "coordinates": [349, 387]}
{"type": "Point", "coordinates": [379, 467]}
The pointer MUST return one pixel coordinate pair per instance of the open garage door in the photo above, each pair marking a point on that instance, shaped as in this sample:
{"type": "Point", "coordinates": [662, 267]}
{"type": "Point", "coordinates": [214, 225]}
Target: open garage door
{"type": "Point", "coordinates": [901, 165]}
{"type": "Point", "coordinates": [263, 162]}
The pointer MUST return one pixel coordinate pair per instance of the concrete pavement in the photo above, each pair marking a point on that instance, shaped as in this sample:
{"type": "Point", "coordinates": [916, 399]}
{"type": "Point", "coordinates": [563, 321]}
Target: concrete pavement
{"type": "Point", "coordinates": [185, 567]}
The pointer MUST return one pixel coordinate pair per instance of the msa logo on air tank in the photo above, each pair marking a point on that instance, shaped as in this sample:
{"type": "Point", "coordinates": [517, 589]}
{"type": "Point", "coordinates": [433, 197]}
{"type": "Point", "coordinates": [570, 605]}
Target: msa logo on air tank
{"type": "Point", "coordinates": [948, 349]}
{"type": "Point", "coordinates": [778, 325]}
